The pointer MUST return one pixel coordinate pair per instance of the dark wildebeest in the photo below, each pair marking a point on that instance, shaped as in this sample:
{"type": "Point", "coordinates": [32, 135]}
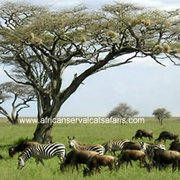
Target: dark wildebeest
{"type": "Point", "coordinates": [162, 158]}
{"type": "Point", "coordinates": [140, 133]}
{"type": "Point", "coordinates": [99, 160]}
{"type": "Point", "coordinates": [175, 145]}
{"type": "Point", "coordinates": [132, 146]}
{"type": "Point", "coordinates": [76, 157]}
{"type": "Point", "coordinates": [128, 155]}
{"type": "Point", "coordinates": [21, 147]}
{"type": "Point", "coordinates": [164, 135]}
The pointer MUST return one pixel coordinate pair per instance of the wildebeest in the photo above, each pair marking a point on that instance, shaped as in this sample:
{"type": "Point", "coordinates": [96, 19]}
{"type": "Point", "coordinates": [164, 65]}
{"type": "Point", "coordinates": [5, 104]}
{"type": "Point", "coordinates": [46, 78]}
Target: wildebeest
{"type": "Point", "coordinates": [175, 145]}
{"type": "Point", "coordinates": [161, 158]}
{"type": "Point", "coordinates": [21, 147]}
{"type": "Point", "coordinates": [99, 160]}
{"type": "Point", "coordinates": [132, 146]}
{"type": "Point", "coordinates": [149, 147]}
{"type": "Point", "coordinates": [164, 135]}
{"type": "Point", "coordinates": [140, 133]}
{"type": "Point", "coordinates": [128, 155]}
{"type": "Point", "coordinates": [76, 157]}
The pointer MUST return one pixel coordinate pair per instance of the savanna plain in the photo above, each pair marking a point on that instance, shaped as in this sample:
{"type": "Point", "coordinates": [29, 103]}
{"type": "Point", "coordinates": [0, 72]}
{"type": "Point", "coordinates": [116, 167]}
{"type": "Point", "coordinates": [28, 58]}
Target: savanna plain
{"type": "Point", "coordinates": [86, 134]}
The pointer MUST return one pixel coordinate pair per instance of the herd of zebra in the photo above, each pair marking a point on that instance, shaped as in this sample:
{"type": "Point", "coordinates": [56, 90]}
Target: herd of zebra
{"type": "Point", "coordinates": [95, 156]}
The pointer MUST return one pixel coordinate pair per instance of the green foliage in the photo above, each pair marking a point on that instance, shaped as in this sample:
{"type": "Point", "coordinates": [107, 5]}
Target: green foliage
{"type": "Point", "coordinates": [161, 114]}
{"type": "Point", "coordinates": [123, 110]}
{"type": "Point", "coordinates": [87, 134]}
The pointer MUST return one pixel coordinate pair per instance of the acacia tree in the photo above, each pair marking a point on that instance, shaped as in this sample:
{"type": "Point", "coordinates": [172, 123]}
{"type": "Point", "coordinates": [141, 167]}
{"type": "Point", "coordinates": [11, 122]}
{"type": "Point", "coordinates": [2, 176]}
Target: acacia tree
{"type": "Point", "coordinates": [123, 111]}
{"type": "Point", "coordinates": [20, 96]}
{"type": "Point", "coordinates": [41, 44]}
{"type": "Point", "coordinates": [161, 114]}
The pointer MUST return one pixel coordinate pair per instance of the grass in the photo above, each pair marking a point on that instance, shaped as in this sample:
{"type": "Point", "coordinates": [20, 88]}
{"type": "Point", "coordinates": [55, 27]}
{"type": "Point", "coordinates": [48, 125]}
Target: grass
{"type": "Point", "coordinates": [87, 134]}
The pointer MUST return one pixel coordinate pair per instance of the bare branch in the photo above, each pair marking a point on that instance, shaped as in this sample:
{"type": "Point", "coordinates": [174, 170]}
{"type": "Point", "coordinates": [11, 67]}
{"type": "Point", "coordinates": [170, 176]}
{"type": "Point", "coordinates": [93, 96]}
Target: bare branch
{"type": "Point", "coordinates": [15, 80]}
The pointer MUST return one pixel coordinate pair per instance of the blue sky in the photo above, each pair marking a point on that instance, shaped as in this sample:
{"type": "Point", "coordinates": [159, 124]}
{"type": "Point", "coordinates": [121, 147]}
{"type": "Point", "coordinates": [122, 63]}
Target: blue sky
{"type": "Point", "coordinates": [144, 84]}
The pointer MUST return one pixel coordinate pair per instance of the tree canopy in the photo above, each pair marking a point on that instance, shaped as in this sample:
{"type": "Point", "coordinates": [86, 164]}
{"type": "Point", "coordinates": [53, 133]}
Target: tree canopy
{"type": "Point", "coordinates": [123, 110]}
{"type": "Point", "coordinates": [20, 95]}
{"type": "Point", "coordinates": [41, 44]}
{"type": "Point", "coordinates": [161, 114]}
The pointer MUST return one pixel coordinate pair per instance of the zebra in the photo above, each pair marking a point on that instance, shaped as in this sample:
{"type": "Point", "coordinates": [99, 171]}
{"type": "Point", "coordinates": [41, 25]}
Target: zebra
{"type": "Point", "coordinates": [42, 151]}
{"type": "Point", "coordinates": [148, 148]}
{"type": "Point", "coordinates": [77, 146]}
{"type": "Point", "coordinates": [145, 146]}
{"type": "Point", "coordinates": [115, 145]}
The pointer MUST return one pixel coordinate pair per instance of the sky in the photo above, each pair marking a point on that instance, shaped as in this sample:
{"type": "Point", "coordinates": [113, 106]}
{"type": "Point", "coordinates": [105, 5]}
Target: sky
{"type": "Point", "coordinates": [143, 84]}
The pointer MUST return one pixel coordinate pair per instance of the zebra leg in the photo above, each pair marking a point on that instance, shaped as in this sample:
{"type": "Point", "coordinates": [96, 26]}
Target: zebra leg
{"type": "Point", "coordinates": [61, 156]}
{"type": "Point", "coordinates": [113, 153]}
{"type": "Point", "coordinates": [39, 160]}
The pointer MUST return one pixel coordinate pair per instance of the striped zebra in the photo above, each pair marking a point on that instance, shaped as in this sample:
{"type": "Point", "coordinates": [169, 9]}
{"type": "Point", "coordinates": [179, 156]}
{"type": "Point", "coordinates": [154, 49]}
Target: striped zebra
{"type": "Point", "coordinates": [150, 148]}
{"type": "Point", "coordinates": [76, 145]}
{"type": "Point", "coordinates": [42, 151]}
{"type": "Point", "coordinates": [145, 146]}
{"type": "Point", "coordinates": [114, 145]}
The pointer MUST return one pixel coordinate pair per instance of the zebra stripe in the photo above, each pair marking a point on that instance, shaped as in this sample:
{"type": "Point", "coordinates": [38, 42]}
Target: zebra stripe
{"type": "Point", "coordinates": [114, 145]}
{"type": "Point", "coordinates": [145, 146]}
{"type": "Point", "coordinates": [41, 151]}
{"type": "Point", "coordinates": [76, 145]}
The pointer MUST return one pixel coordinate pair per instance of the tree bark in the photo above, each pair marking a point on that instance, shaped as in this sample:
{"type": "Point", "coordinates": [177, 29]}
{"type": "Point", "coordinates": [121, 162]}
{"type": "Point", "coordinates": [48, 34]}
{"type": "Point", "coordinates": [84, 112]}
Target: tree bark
{"type": "Point", "coordinates": [161, 122]}
{"type": "Point", "coordinates": [44, 127]}
{"type": "Point", "coordinates": [42, 133]}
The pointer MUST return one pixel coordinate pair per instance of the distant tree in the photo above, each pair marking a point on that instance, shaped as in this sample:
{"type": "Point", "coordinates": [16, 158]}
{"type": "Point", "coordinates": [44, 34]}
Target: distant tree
{"type": "Point", "coordinates": [20, 96]}
{"type": "Point", "coordinates": [123, 110]}
{"type": "Point", "coordinates": [161, 114]}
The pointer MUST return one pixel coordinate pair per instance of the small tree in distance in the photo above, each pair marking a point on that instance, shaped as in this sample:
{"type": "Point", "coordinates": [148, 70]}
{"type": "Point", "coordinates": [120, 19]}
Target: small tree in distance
{"type": "Point", "coordinates": [20, 96]}
{"type": "Point", "coordinates": [161, 114]}
{"type": "Point", "coordinates": [123, 110]}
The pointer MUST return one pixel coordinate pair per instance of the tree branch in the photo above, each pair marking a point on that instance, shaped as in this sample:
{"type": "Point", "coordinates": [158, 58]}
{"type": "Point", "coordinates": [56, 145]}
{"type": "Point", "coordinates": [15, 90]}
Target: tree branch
{"type": "Point", "coordinates": [78, 80]}
{"type": "Point", "coordinates": [15, 80]}
{"type": "Point", "coordinates": [127, 61]}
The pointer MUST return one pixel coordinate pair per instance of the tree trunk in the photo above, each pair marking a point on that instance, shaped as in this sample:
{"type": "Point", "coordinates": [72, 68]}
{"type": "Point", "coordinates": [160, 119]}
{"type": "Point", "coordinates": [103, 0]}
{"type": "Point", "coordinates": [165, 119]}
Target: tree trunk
{"type": "Point", "coordinates": [161, 122]}
{"type": "Point", "coordinates": [44, 127]}
{"type": "Point", "coordinates": [12, 121]}
{"type": "Point", "coordinates": [42, 133]}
